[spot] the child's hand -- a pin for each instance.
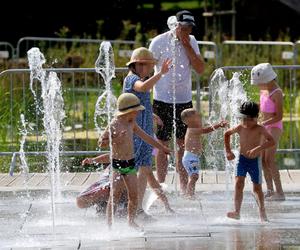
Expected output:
(165, 66)
(223, 124)
(167, 150)
(87, 161)
(253, 153)
(158, 121)
(230, 156)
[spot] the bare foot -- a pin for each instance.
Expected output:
(170, 210)
(263, 216)
(133, 225)
(269, 193)
(276, 197)
(233, 215)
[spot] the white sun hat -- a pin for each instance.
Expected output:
(262, 73)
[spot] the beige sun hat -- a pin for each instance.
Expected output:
(142, 55)
(128, 102)
(262, 73)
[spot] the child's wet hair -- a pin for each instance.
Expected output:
(249, 109)
(187, 113)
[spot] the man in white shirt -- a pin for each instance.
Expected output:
(183, 49)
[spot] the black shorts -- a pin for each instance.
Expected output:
(165, 112)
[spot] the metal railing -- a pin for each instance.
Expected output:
(8, 47)
(290, 80)
(33, 41)
(81, 88)
(255, 46)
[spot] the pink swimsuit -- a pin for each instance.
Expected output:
(268, 106)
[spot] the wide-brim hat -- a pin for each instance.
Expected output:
(142, 55)
(185, 17)
(262, 73)
(128, 102)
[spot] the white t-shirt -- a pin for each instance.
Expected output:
(161, 47)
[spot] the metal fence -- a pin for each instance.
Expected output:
(6, 50)
(288, 79)
(81, 88)
(253, 52)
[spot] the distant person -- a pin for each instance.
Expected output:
(187, 57)
(253, 139)
(271, 108)
(193, 146)
(123, 162)
(140, 81)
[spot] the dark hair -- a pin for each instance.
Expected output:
(250, 109)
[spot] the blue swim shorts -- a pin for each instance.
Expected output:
(191, 163)
(251, 166)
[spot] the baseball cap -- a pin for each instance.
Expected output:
(262, 73)
(185, 17)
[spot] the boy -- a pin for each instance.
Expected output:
(254, 139)
(193, 146)
(123, 164)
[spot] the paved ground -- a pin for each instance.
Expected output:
(27, 221)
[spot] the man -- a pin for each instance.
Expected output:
(183, 49)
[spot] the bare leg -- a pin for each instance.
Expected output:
(153, 183)
(142, 184)
(257, 190)
(161, 163)
(270, 160)
(267, 175)
(116, 193)
(183, 176)
(131, 184)
(238, 197)
(191, 185)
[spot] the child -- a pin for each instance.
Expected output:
(271, 106)
(254, 139)
(139, 82)
(193, 146)
(123, 162)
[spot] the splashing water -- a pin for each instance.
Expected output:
(106, 104)
(226, 96)
(53, 110)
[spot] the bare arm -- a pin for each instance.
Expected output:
(195, 60)
(104, 158)
(150, 140)
(144, 86)
(269, 142)
(230, 156)
(209, 129)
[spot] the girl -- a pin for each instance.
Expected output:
(139, 83)
(271, 107)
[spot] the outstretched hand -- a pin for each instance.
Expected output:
(165, 66)
(223, 124)
(87, 161)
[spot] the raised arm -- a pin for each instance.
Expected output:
(144, 86)
(150, 140)
(195, 59)
(209, 129)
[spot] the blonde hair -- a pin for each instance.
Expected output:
(188, 113)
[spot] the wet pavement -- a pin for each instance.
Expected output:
(27, 222)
